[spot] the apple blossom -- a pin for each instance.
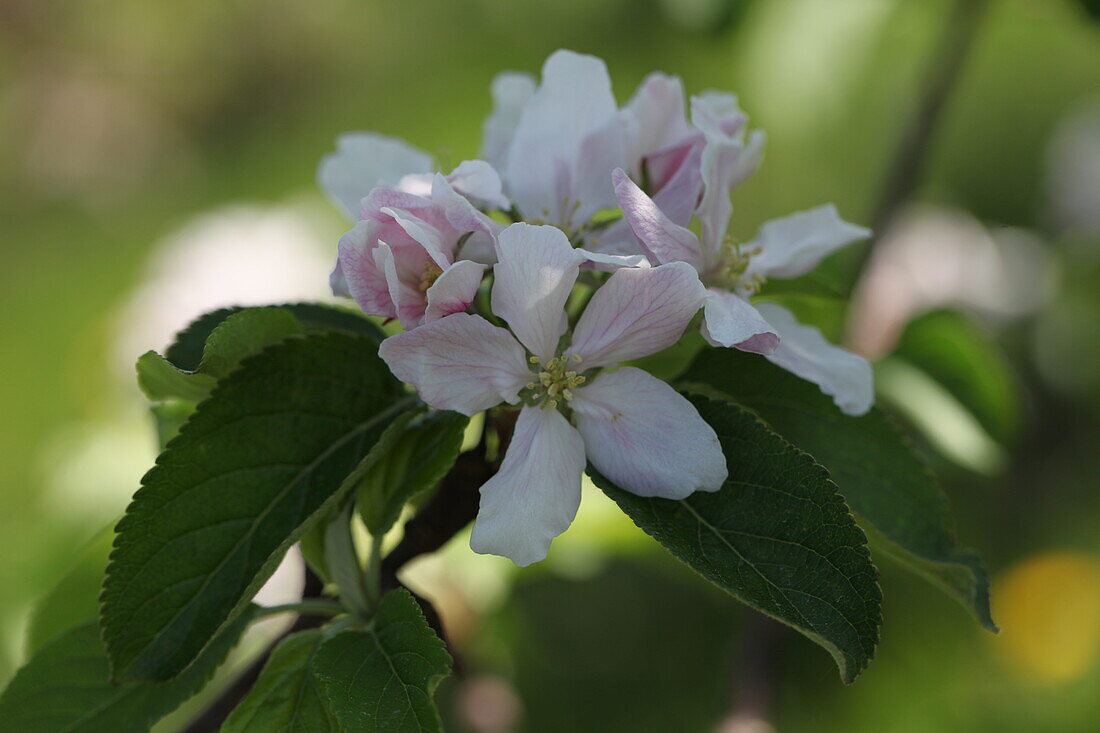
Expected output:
(404, 257)
(783, 248)
(632, 427)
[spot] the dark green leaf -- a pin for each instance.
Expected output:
(881, 477)
(258, 460)
(187, 350)
(286, 697)
(381, 679)
(413, 456)
(777, 536)
(949, 348)
(65, 688)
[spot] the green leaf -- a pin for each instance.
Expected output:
(286, 697)
(953, 351)
(413, 456)
(239, 335)
(186, 351)
(777, 536)
(255, 464)
(65, 687)
(883, 480)
(382, 678)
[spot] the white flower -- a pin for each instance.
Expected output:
(634, 428)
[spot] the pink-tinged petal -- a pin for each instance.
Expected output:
(364, 280)
(375, 203)
(364, 160)
(408, 301)
(418, 184)
(439, 245)
(637, 312)
(643, 435)
(657, 109)
(453, 290)
(573, 101)
(664, 240)
(679, 195)
(844, 376)
(461, 363)
(531, 283)
(510, 91)
(730, 320)
(534, 496)
(795, 244)
(478, 180)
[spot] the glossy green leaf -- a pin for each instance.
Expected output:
(777, 536)
(381, 679)
(286, 697)
(186, 351)
(883, 480)
(256, 463)
(65, 688)
(413, 456)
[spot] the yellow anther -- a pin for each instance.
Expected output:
(534, 360)
(430, 274)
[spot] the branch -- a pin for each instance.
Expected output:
(907, 166)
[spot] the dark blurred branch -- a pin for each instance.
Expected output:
(754, 679)
(908, 163)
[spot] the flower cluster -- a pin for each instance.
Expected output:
(602, 201)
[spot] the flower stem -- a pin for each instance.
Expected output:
(304, 607)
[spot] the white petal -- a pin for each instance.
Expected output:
(662, 238)
(458, 212)
(730, 320)
(478, 180)
(461, 363)
(364, 160)
(532, 280)
(600, 152)
(534, 496)
(573, 101)
(511, 91)
(844, 376)
(607, 262)
(637, 312)
(453, 290)
(643, 435)
(795, 244)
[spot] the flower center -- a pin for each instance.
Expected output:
(732, 270)
(430, 274)
(553, 381)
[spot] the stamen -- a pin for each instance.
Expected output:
(430, 274)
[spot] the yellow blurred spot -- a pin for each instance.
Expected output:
(1048, 607)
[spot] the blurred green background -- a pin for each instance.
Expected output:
(158, 160)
